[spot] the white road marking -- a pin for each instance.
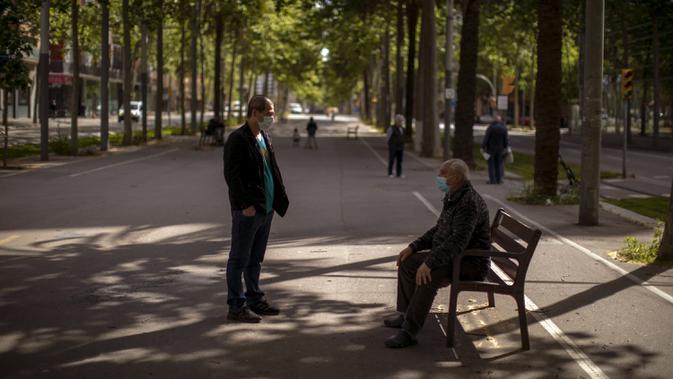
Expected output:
(122, 163)
(568, 345)
(645, 284)
(385, 163)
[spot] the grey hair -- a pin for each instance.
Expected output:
(399, 118)
(458, 166)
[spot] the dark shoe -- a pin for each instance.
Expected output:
(394, 321)
(263, 308)
(244, 315)
(400, 340)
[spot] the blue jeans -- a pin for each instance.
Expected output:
(496, 168)
(249, 236)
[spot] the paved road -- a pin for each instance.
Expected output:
(114, 267)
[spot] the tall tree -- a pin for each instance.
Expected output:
(194, 64)
(412, 20)
(385, 72)
(548, 97)
(467, 74)
(399, 60)
(217, 86)
(128, 75)
(158, 109)
(591, 129)
(74, 99)
(105, 75)
(428, 53)
(183, 46)
(144, 77)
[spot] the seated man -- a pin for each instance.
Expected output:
(427, 262)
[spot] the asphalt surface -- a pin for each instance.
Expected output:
(114, 266)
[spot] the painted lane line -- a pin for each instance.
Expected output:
(668, 298)
(122, 163)
(8, 239)
(568, 345)
(383, 161)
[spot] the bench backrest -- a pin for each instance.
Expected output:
(517, 241)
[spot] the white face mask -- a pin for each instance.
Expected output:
(266, 123)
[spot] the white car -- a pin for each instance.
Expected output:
(296, 108)
(136, 111)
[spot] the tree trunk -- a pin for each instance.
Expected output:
(657, 79)
(448, 80)
(44, 81)
(666, 247)
(547, 94)
(625, 64)
(385, 71)
(234, 44)
(181, 87)
(428, 52)
(531, 110)
(195, 64)
(399, 60)
(517, 100)
(143, 77)
(412, 20)
(265, 90)
(74, 99)
(105, 77)
(160, 75)
(591, 130)
(367, 104)
(241, 83)
(217, 87)
(5, 123)
(467, 74)
(128, 75)
(643, 106)
(203, 77)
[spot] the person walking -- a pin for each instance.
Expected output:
(311, 129)
(494, 146)
(395, 137)
(256, 190)
(427, 263)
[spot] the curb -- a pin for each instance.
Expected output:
(629, 215)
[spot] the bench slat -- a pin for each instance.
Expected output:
(516, 227)
(506, 242)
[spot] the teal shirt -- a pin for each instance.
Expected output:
(268, 176)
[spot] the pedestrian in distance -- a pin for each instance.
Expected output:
(494, 148)
(427, 263)
(256, 191)
(395, 137)
(311, 129)
(295, 138)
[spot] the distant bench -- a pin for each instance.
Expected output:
(352, 130)
(512, 247)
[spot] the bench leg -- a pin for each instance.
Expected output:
(451, 324)
(523, 323)
(491, 300)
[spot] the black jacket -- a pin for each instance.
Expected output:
(463, 224)
(496, 138)
(244, 172)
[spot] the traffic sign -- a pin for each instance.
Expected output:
(627, 83)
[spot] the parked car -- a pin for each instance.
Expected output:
(136, 111)
(295, 108)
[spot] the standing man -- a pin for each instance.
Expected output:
(494, 147)
(311, 128)
(426, 264)
(395, 138)
(255, 191)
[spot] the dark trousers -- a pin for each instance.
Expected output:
(249, 236)
(415, 301)
(395, 155)
(496, 168)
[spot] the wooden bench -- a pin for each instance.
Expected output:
(512, 247)
(352, 130)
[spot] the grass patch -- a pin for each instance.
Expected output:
(654, 207)
(641, 252)
(524, 166)
(568, 196)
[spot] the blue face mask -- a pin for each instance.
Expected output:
(441, 184)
